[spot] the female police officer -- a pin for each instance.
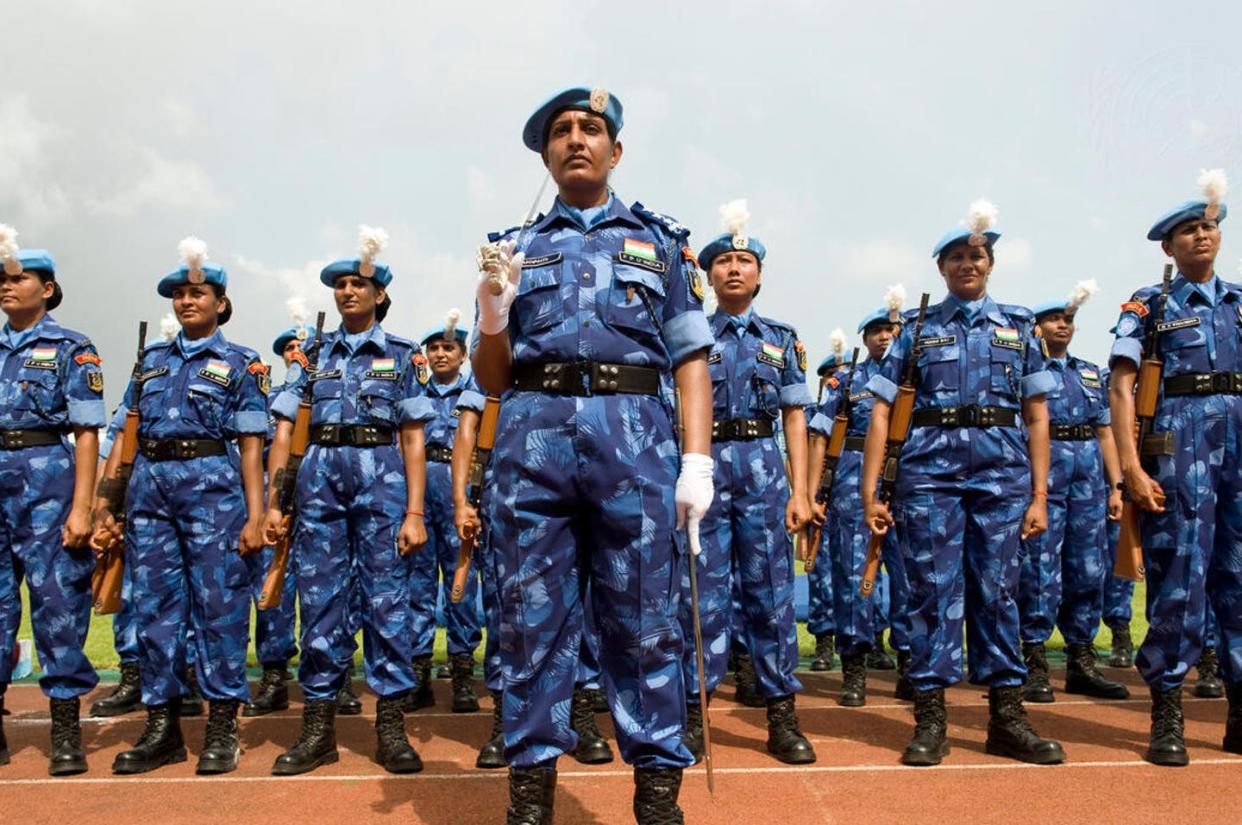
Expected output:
(972, 481)
(193, 503)
(50, 384)
(359, 504)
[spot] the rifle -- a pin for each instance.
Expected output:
(1129, 562)
(286, 482)
(898, 430)
(832, 454)
(109, 571)
(479, 456)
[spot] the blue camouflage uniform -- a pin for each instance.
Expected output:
(1064, 569)
(50, 379)
(859, 619)
(819, 616)
(962, 491)
(757, 368)
(584, 484)
(184, 517)
(1193, 550)
(351, 502)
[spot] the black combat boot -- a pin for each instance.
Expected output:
(316, 743)
(464, 700)
(192, 702)
(4, 746)
(393, 749)
(531, 794)
(1083, 677)
(444, 671)
(221, 750)
(823, 652)
(68, 757)
(1209, 685)
(878, 658)
(271, 694)
(601, 702)
(904, 689)
(655, 796)
(785, 739)
(421, 696)
(1010, 732)
(492, 754)
(1037, 688)
(694, 730)
(126, 697)
(1123, 647)
(1233, 724)
(929, 744)
(853, 680)
(746, 692)
(592, 747)
(1168, 740)
(347, 702)
(160, 743)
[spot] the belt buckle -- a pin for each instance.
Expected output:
(604, 377)
(552, 375)
(985, 416)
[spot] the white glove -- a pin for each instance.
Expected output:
(694, 494)
(499, 273)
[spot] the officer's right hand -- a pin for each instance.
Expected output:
(878, 518)
(466, 520)
(106, 535)
(274, 526)
(1143, 489)
(693, 495)
(500, 270)
(819, 512)
(412, 536)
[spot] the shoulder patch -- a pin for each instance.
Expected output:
(94, 381)
(1137, 307)
(800, 348)
(422, 371)
(300, 358)
(262, 376)
(88, 358)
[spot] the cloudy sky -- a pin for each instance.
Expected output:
(858, 134)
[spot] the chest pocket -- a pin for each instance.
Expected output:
(938, 372)
(377, 400)
(636, 299)
(765, 394)
(1006, 369)
(209, 403)
(538, 302)
(326, 398)
(1185, 350)
(152, 403)
(40, 393)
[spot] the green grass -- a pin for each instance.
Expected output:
(99, 646)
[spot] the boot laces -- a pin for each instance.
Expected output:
(583, 712)
(221, 721)
(66, 729)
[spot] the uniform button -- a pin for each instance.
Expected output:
(586, 276)
(586, 323)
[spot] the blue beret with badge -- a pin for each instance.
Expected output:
(1213, 183)
(299, 333)
(890, 313)
(976, 230)
(599, 101)
(450, 330)
(1081, 293)
(371, 241)
(836, 355)
(733, 217)
(194, 269)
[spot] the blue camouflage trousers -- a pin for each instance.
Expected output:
(583, 492)
(820, 618)
(439, 557)
(36, 492)
(181, 535)
(273, 629)
(745, 547)
(960, 502)
(125, 620)
(1118, 592)
(351, 502)
(1064, 569)
(1193, 550)
(859, 619)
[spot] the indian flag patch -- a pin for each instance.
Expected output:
(1089, 374)
(639, 249)
(383, 364)
(1006, 337)
(220, 369)
(43, 354)
(772, 354)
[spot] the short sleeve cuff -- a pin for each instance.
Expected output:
(795, 395)
(883, 388)
(91, 413)
(251, 422)
(1105, 418)
(470, 400)
(416, 409)
(686, 334)
(1038, 383)
(286, 405)
(1128, 348)
(820, 423)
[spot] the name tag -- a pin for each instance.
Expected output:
(39, 365)
(1181, 323)
(1006, 343)
(1092, 384)
(155, 373)
(321, 375)
(542, 260)
(860, 396)
(937, 341)
(213, 377)
(714, 357)
(641, 263)
(380, 376)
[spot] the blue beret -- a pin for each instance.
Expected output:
(282, 340)
(599, 101)
(876, 316)
(350, 266)
(38, 260)
(960, 234)
(459, 333)
(827, 364)
(724, 243)
(212, 274)
(1188, 211)
(1051, 306)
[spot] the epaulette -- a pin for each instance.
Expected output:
(402, 342)
(246, 353)
(492, 237)
(781, 325)
(1017, 311)
(154, 345)
(666, 224)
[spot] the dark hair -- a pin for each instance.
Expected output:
(381, 309)
(57, 294)
(987, 247)
(227, 312)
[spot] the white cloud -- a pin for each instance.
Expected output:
(180, 116)
(480, 187)
(26, 142)
(880, 262)
(164, 184)
(1016, 254)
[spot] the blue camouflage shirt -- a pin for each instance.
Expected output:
(757, 366)
(449, 400)
(861, 401)
(1201, 330)
(382, 380)
(1079, 394)
(207, 388)
(51, 378)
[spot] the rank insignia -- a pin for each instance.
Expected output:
(695, 280)
(800, 348)
(421, 369)
(298, 357)
(88, 358)
(262, 376)
(1137, 307)
(94, 380)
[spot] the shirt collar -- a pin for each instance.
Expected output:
(1183, 289)
(986, 307)
(373, 337)
(45, 328)
(215, 343)
(722, 321)
(442, 390)
(561, 212)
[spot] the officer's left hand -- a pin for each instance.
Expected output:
(413, 535)
(251, 536)
(1115, 505)
(1036, 519)
(797, 514)
(77, 527)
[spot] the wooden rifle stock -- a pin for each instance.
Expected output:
(483, 444)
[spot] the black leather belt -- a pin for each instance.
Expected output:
(180, 449)
(585, 378)
(741, 429)
(1071, 432)
(439, 453)
(854, 443)
(969, 416)
(352, 435)
(20, 439)
(1204, 383)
